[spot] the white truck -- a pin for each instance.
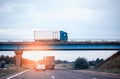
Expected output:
(50, 36)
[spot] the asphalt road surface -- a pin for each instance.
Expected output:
(64, 74)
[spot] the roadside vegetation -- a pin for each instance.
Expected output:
(10, 70)
(83, 63)
(7, 65)
(116, 71)
(79, 63)
(4, 72)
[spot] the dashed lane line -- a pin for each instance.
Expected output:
(52, 77)
(47, 73)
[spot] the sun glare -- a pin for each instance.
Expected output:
(36, 55)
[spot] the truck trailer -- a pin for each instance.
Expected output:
(50, 36)
(50, 62)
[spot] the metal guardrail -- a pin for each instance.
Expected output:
(16, 40)
(93, 40)
(70, 40)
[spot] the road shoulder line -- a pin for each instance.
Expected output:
(17, 74)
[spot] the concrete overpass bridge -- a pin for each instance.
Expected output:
(19, 47)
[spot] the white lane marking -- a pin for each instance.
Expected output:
(47, 73)
(17, 74)
(94, 78)
(52, 77)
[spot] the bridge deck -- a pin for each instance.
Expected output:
(11, 46)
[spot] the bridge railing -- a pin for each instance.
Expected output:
(97, 40)
(16, 40)
(69, 40)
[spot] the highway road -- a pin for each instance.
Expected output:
(64, 74)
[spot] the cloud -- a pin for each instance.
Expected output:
(70, 11)
(74, 16)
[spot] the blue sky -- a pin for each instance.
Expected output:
(82, 19)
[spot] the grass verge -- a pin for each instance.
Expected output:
(114, 71)
(4, 72)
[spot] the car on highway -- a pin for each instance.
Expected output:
(40, 67)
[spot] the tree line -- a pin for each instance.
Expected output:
(82, 63)
(79, 63)
(7, 59)
(4, 60)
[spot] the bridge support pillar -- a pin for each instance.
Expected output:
(18, 58)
